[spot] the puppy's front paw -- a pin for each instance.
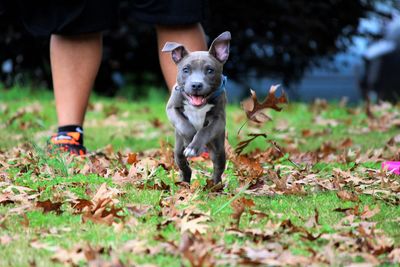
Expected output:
(194, 150)
(191, 152)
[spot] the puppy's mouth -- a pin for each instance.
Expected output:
(196, 100)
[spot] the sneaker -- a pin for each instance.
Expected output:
(70, 142)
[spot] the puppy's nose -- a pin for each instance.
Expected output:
(196, 86)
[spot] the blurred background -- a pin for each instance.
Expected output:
(315, 49)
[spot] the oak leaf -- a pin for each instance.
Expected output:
(132, 158)
(48, 206)
(347, 196)
(394, 255)
(103, 213)
(239, 205)
(196, 250)
(368, 213)
(254, 109)
(78, 255)
(194, 225)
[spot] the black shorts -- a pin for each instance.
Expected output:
(69, 17)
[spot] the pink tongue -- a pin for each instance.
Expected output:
(197, 100)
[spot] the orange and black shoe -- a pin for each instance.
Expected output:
(71, 142)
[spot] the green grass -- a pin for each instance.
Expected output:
(140, 126)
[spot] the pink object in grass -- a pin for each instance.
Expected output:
(392, 166)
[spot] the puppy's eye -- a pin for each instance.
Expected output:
(185, 70)
(210, 71)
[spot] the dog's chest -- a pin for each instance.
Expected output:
(196, 116)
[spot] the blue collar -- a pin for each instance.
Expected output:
(220, 90)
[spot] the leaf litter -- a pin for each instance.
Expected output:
(260, 237)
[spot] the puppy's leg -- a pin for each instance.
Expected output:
(180, 159)
(218, 157)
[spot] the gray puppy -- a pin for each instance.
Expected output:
(196, 107)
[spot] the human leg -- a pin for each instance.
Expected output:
(74, 28)
(75, 61)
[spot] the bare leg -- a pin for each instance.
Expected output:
(192, 36)
(75, 61)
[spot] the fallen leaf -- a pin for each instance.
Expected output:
(239, 205)
(132, 158)
(194, 225)
(196, 250)
(313, 221)
(136, 247)
(78, 254)
(368, 213)
(348, 142)
(138, 210)
(48, 206)
(80, 204)
(103, 213)
(347, 196)
(247, 168)
(394, 255)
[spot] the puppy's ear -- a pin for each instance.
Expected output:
(220, 47)
(177, 50)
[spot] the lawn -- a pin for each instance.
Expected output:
(309, 191)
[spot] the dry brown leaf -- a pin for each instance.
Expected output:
(103, 213)
(348, 142)
(319, 120)
(368, 213)
(138, 210)
(261, 254)
(101, 208)
(7, 198)
(349, 211)
(347, 196)
(167, 154)
(313, 221)
(254, 109)
(48, 206)
(289, 259)
(247, 169)
(284, 184)
(77, 254)
(394, 255)
(228, 148)
(80, 204)
(195, 225)
(239, 205)
(132, 158)
(105, 192)
(136, 247)
(156, 123)
(196, 250)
